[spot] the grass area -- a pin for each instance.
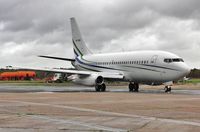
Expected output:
(34, 83)
(43, 83)
(19, 81)
(195, 80)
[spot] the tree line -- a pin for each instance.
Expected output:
(195, 73)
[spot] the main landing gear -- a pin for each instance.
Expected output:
(133, 87)
(100, 88)
(167, 89)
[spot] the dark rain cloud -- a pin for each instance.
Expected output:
(32, 27)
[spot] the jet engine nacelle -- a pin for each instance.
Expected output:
(90, 80)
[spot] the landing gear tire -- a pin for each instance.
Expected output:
(168, 89)
(103, 89)
(133, 87)
(136, 89)
(100, 88)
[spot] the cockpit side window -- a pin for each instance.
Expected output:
(169, 60)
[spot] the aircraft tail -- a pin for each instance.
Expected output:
(79, 45)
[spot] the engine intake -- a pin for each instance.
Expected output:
(92, 80)
(99, 80)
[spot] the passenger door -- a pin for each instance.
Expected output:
(154, 59)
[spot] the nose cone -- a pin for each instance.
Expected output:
(185, 69)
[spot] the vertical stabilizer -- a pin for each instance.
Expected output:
(79, 45)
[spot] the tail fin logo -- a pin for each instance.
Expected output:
(79, 45)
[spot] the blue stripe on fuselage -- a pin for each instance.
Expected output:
(96, 65)
(75, 52)
(91, 65)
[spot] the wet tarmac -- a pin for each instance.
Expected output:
(22, 89)
(77, 109)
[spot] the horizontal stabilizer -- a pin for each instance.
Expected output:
(57, 58)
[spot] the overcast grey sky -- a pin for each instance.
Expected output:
(41, 27)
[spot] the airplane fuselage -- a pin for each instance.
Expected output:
(150, 67)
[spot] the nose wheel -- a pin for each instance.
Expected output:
(167, 89)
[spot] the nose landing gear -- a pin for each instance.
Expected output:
(167, 89)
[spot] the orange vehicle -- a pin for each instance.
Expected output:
(18, 75)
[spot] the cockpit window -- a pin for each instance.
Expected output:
(169, 60)
(177, 60)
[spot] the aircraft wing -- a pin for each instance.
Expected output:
(109, 75)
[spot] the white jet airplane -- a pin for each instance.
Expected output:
(137, 67)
